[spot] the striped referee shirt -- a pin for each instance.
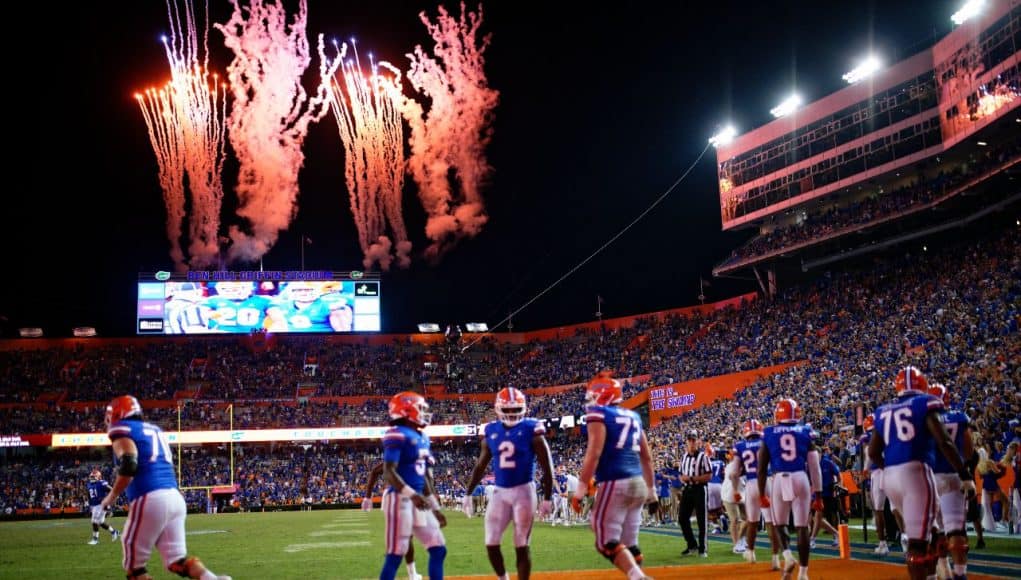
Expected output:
(695, 465)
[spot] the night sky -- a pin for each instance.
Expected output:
(601, 109)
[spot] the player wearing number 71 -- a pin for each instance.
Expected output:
(512, 445)
(618, 455)
(156, 509)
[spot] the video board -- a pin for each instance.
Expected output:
(247, 302)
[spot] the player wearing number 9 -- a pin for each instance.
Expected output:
(618, 455)
(787, 448)
(905, 433)
(512, 445)
(156, 509)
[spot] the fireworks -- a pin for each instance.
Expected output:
(367, 109)
(186, 129)
(270, 115)
(456, 129)
(269, 118)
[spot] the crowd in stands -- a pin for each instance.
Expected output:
(954, 313)
(875, 207)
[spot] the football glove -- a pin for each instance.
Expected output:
(817, 504)
(764, 501)
(737, 498)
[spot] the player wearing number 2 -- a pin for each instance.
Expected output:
(905, 433)
(156, 509)
(410, 505)
(618, 455)
(746, 462)
(787, 448)
(512, 445)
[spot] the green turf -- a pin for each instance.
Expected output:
(325, 544)
(305, 545)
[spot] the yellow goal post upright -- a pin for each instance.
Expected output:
(230, 447)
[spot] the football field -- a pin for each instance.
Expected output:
(348, 544)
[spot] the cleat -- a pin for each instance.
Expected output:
(689, 552)
(904, 543)
(93, 541)
(749, 556)
(775, 563)
(115, 536)
(703, 554)
(738, 549)
(811, 544)
(882, 549)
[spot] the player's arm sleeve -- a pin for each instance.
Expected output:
(118, 431)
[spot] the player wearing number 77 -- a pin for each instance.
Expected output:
(906, 432)
(156, 509)
(618, 455)
(513, 445)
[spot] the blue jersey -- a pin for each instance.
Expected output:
(314, 317)
(717, 467)
(155, 459)
(788, 447)
(238, 316)
(955, 422)
(901, 424)
(513, 457)
(748, 451)
(663, 485)
(97, 491)
(619, 459)
(830, 474)
(409, 449)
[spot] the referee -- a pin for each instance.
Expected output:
(695, 474)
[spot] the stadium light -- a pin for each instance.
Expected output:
(428, 327)
(83, 331)
(788, 106)
(971, 9)
(724, 137)
(476, 327)
(867, 68)
(31, 332)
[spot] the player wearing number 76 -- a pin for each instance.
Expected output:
(512, 445)
(618, 455)
(156, 509)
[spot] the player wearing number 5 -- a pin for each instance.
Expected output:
(787, 448)
(156, 510)
(512, 445)
(905, 433)
(410, 505)
(618, 455)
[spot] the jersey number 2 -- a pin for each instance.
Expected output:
(507, 455)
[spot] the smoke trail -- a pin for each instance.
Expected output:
(269, 117)
(454, 133)
(185, 120)
(367, 109)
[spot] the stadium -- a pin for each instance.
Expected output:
(871, 240)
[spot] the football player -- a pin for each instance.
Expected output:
(952, 503)
(907, 430)
(410, 504)
(370, 487)
(156, 509)
(746, 463)
(235, 309)
(619, 458)
(512, 445)
(310, 310)
(787, 447)
(98, 488)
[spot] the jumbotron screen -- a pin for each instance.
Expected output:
(246, 302)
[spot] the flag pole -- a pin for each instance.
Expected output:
(301, 242)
